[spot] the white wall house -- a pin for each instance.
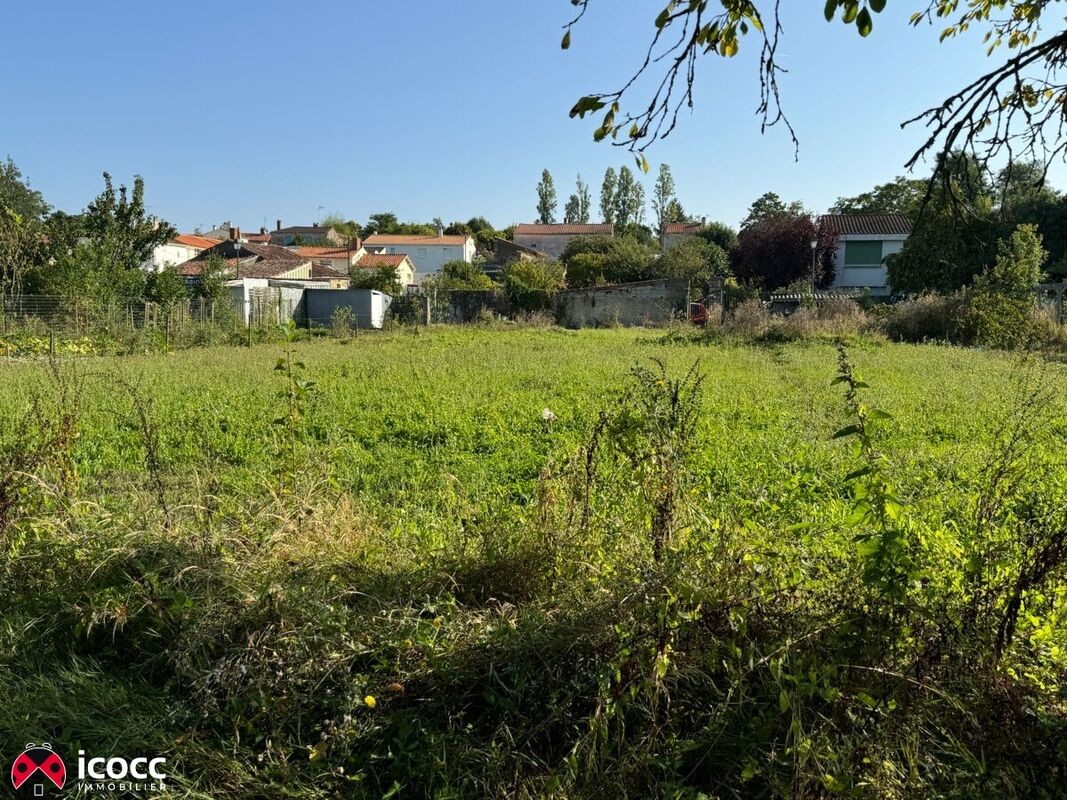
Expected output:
(863, 243)
(179, 250)
(427, 253)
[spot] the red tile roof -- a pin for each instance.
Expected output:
(379, 239)
(194, 240)
(324, 271)
(256, 260)
(867, 224)
(563, 229)
(684, 227)
(323, 252)
(257, 238)
(373, 260)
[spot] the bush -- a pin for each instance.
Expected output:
(531, 285)
(929, 317)
(693, 259)
(749, 319)
(998, 311)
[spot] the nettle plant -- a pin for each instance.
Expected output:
(291, 426)
(883, 539)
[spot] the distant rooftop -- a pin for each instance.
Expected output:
(867, 224)
(564, 229)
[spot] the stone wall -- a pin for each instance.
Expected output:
(628, 304)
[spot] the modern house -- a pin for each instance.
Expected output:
(401, 262)
(179, 249)
(305, 234)
(427, 253)
(863, 243)
(552, 239)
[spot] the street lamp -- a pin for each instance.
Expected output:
(814, 249)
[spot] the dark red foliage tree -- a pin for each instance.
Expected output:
(776, 252)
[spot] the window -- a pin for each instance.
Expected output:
(863, 254)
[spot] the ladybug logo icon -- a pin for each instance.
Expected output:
(37, 766)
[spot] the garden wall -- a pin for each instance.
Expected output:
(628, 304)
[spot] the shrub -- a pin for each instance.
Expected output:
(693, 259)
(929, 317)
(531, 285)
(750, 319)
(998, 311)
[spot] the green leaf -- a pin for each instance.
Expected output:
(642, 162)
(829, 10)
(864, 23)
(566, 43)
(877, 6)
(783, 701)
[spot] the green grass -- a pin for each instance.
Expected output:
(420, 546)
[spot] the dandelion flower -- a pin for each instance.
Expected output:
(370, 701)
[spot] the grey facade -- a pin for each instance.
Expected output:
(628, 304)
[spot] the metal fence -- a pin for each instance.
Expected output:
(79, 316)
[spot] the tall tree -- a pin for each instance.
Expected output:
(900, 196)
(546, 199)
(585, 202)
(104, 252)
(770, 206)
(17, 196)
(629, 199)
(664, 202)
(576, 210)
(607, 196)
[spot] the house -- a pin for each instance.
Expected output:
(401, 262)
(305, 234)
(427, 253)
(341, 259)
(179, 249)
(677, 232)
(504, 252)
(241, 260)
(863, 242)
(552, 239)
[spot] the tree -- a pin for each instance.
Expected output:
(998, 309)
(607, 196)
(22, 250)
(349, 229)
(693, 259)
(899, 196)
(629, 199)
(458, 276)
(17, 196)
(103, 252)
(546, 199)
(1016, 107)
(719, 233)
(379, 279)
(770, 206)
(664, 202)
(382, 222)
(615, 259)
(531, 285)
(166, 287)
(776, 251)
(954, 238)
(577, 209)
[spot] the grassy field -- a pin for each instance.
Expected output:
(473, 562)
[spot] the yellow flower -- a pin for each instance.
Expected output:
(370, 701)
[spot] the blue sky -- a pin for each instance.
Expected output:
(257, 111)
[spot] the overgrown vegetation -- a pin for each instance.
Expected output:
(318, 569)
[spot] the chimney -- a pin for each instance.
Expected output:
(233, 234)
(279, 223)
